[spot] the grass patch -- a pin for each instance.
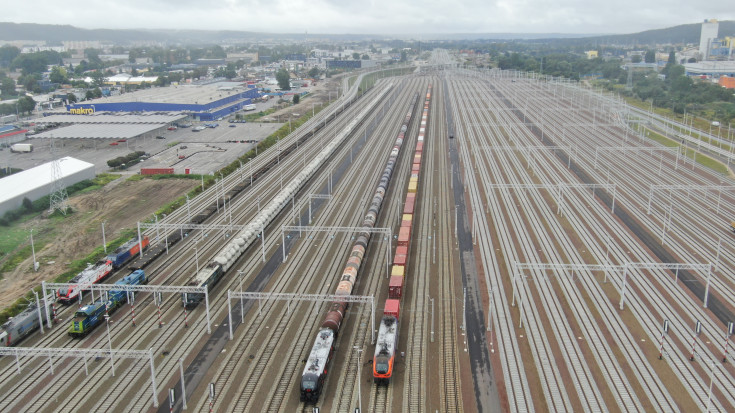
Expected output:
(172, 144)
(701, 159)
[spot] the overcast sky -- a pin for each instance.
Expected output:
(375, 16)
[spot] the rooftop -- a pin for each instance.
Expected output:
(183, 94)
(115, 117)
(100, 131)
(22, 182)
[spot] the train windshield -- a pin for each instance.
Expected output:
(381, 366)
(308, 384)
(63, 292)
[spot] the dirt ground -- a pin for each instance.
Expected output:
(120, 204)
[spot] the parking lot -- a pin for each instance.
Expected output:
(205, 151)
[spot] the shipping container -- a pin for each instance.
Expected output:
(406, 220)
(417, 158)
(420, 147)
(395, 287)
(398, 270)
(392, 307)
(404, 236)
(401, 256)
(156, 171)
(413, 186)
(408, 207)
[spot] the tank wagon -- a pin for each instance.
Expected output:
(310, 389)
(91, 275)
(387, 343)
(92, 315)
(215, 269)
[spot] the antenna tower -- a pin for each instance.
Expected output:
(59, 197)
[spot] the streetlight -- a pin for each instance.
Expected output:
(242, 313)
(33, 252)
(359, 389)
(196, 257)
(104, 242)
(109, 341)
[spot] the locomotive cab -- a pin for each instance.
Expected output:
(311, 385)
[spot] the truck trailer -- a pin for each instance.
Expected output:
(21, 148)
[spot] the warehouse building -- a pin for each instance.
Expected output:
(37, 182)
(200, 102)
(10, 134)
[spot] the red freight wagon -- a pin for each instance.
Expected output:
(392, 307)
(417, 158)
(401, 256)
(420, 147)
(395, 287)
(410, 202)
(415, 169)
(156, 171)
(404, 236)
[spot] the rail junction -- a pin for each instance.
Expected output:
(541, 201)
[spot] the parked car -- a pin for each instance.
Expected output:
(172, 128)
(160, 137)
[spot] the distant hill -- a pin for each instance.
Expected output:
(52, 34)
(685, 33)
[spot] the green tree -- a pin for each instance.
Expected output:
(7, 54)
(296, 99)
(26, 104)
(283, 79)
(365, 57)
(313, 72)
(650, 56)
(98, 78)
(7, 87)
(31, 63)
(356, 56)
(58, 75)
(635, 58)
(71, 98)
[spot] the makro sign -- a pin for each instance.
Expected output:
(81, 111)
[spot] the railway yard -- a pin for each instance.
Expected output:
(559, 261)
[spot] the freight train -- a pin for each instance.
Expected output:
(22, 325)
(214, 270)
(92, 315)
(387, 344)
(127, 251)
(315, 371)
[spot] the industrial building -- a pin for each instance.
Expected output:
(10, 134)
(350, 64)
(710, 29)
(200, 102)
(712, 69)
(37, 182)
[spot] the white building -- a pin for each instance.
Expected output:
(37, 182)
(710, 29)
